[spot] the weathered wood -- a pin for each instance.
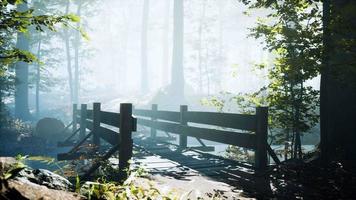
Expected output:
(76, 147)
(110, 118)
(126, 143)
(228, 120)
(163, 126)
(110, 136)
(154, 119)
(75, 122)
(226, 137)
(168, 115)
(96, 124)
(273, 155)
(183, 122)
(83, 115)
(90, 114)
(89, 124)
(97, 164)
(143, 112)
(261, 138)
(70, 156)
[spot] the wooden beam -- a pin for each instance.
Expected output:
(83, 116)
(110, 118)
(126, 143)
(96, 124)
(154, 119)
(228, 120)
(261, 138)
(183, 122)
(226, 137)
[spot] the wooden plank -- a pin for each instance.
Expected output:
(89, 124)
(110, 118)
(167, 115)
(110, 136)
(163, 126)
(144, 122)
(229, 120)
(225, 137)
(90, 114)
(143, 113)
(166, 126)
(261, 138)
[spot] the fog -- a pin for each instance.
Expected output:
(218, 54)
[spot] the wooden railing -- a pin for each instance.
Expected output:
(93, 120)
(248, 131)
(252, 135)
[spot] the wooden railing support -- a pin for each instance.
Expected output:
(126, 143)
(183, 122)
(96, 124)
(75, 113)
(83, 117)
(153, 119)
(261, 138)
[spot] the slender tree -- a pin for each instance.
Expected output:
(177, 75)
(144, 70)
(21, 91)
(165, 43)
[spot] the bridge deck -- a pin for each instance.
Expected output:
(197, 173)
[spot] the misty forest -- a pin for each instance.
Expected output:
(177, 99)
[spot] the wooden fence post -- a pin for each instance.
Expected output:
(183, 122)
(153, 120)
(261, 137)
(83, 120)
(75, 111)
(96, 124)
(126, 143)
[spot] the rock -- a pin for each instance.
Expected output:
(33, 192)
(43, 177)
(33, 184)
(50, 129)
(6, 163)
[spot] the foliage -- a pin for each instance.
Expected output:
(14, 168)
(292, 32)
(15, 19)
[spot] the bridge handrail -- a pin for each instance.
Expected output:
(179, 123)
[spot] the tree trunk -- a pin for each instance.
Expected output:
(76, 58)
(338, 82)
(38, 80)
(21, 71)
(165, 43)
(177, 75)
(200, 41)
(144, 72)
(69, 59)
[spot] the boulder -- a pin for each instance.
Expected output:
(6, 163)
(33, 184)
(50, 129)
(43, 177)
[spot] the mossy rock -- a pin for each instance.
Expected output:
(50, 129)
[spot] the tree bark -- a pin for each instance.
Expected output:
(165, 43)
(338, 82)
(76, 58)
(21, 71)
(177, 75)
(144, 71)
(69, 59)
(38, 79)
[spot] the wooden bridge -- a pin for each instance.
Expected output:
(248, 131)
